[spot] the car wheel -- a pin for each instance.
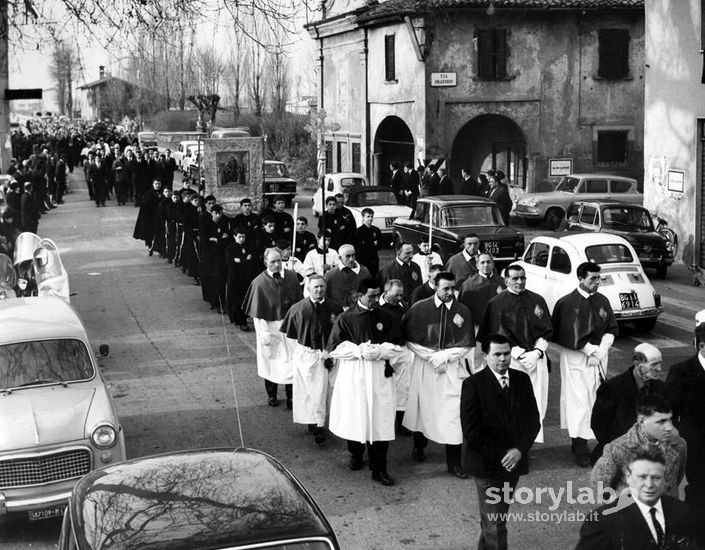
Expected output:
(554, 217)
(645, 325)
(661, 271)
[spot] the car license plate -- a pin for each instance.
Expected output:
(274, 187)
(389, 222)
(55, 512)
(492, 247)
(629, 300)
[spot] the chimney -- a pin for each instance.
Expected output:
(101, 70)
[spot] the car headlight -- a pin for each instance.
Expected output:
(104, 436)
(531, 202)
(669, 246)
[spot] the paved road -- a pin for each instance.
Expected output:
(177, 372)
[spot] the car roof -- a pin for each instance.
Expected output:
(38, 318)
(347, 175)
(456, 199)
(590, 239)
(356, 189)
(598, 175)
(195, 499)
(273, 162)
(610, 203)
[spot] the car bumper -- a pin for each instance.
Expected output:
(528, 212)
(643, 313)
(655, 262)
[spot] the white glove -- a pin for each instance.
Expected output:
(530, 359)
(438, 360)
(265, 340)
(517, 351)
(369, 352)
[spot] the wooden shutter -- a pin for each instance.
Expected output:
(613, 53)
(389, 61)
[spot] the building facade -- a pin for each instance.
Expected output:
(536, 90)
(674, 132)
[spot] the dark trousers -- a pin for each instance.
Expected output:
(493, 534)
(453, 452)
(272, 388)
(376, 453)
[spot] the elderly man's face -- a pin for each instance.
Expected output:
(394, 295)
(273, 261)
(646, 480)
(650, 369)
(317, 289)
(405, 253)
(471, 245)
(347, 256)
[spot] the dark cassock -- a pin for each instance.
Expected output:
(267, 301)
(309, 324)
(583, 324)
(408, 273)
(332, 224)
(441, 339)
(159, 240)
(214, 270)
(362, 408)
(252, 223)
(368, 242)
(477, 290)
(347, 228)
(342, 283)
(283, 225)
(526, 322)
(422, 292)
(462, 265)
(144, 226)
(190, 255)
(242, 266)
(305, 242)
(263, 241)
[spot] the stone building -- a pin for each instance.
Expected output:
(531, 87)
(674, 130)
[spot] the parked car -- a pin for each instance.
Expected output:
(631, 221)
(551, 206)
(334, 184)
(551, 264)
(277, 182)
(192, 158)
(239, 131)
(383, 201)
(147, 139)
(195, 500)
(451, 217)
(184, 149)
(58, 421)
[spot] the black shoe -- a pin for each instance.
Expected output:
(319, 436)
(273, 402)
(383, 478)
(244, 328)
(418, 454)
(403, 430)
(458, 472)
(355, 463)
(197, 281)
(580, 449)
(169, 261)
(289, 404)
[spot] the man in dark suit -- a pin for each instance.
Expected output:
(643, 518)
(445, 184)
(614, 411)
(469, 185)
(500, 194)
(686, 388)
(398, 182)
(500, 421)
(402, 268)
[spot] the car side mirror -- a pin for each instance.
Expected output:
(103, 350)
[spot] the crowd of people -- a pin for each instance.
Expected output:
(454, 352)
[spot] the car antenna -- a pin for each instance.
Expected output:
(232, 376)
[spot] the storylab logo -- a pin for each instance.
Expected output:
(555, 497)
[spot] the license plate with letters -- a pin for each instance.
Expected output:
(629, 300)
(492, 247)
(55, 512)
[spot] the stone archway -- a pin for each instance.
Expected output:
(393, 143)
(491, 142)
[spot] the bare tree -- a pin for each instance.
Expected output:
(62, 65)
(235, 68)
(257, 59)
(279, 79)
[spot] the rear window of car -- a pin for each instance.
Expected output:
(595, 186)
(276, 171)
(560, 261)
(373, 198)
(609, 254)
(466, 215)
(620, 186)
(44, 361)
(351, 182)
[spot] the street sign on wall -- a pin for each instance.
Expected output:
(439, 80)
(559, 167)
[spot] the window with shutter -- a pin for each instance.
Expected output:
(389, 61)
(491, 53)
(612, 147)
(613, 48)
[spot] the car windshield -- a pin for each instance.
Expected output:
(627, 218)
(275, 171)
(373, 198)
(44, 362)
(609, 254)
(567, 184)
(351, 182)
(469, 215)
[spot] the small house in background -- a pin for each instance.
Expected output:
(533, 88)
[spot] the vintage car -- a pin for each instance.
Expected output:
(631, 221)
(551, 206)
(551, 264)
(57, 418)
(238, 131)
(186, 152)
(147, 140)
(334, 184)
(195, 500)
(277, 182)
(384, 203)
(448, 218)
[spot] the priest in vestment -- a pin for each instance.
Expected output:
(523, 317)
(308, 324)
(439, 332)
(366, 342)
(584, 326)
(267, 301)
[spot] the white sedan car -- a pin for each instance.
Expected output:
(551, 263)
(382, 201)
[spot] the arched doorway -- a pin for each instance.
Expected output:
(491, 142)
(393, 142)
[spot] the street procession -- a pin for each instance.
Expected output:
(353, 275)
